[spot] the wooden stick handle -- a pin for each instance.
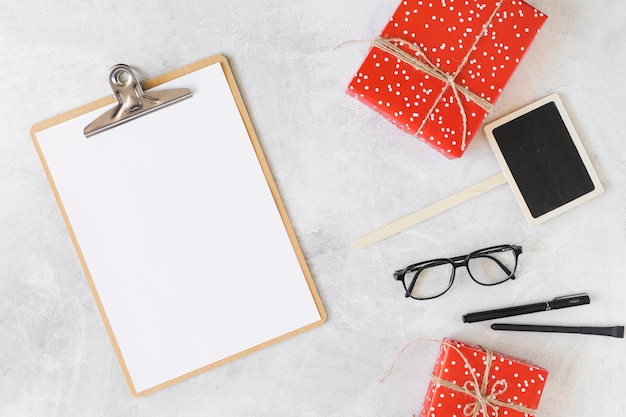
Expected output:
(430, 211)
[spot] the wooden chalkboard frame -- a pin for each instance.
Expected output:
(532, 215)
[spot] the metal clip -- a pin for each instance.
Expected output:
(132, 101)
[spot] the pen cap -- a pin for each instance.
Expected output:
(569, 301)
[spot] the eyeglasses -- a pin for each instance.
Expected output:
(431, 279)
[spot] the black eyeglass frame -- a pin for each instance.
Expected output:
(457, 262)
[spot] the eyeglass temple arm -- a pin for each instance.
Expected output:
(483, 255)
(409, 288)
(500, 264)
(517, 249)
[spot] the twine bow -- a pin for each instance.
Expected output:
(481, 403)
(390, 45)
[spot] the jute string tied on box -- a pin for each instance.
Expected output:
(483, 400)
(392, 47)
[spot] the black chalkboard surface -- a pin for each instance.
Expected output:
(543, 159)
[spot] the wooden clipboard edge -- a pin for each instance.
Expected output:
(228, 359)
(151, 83)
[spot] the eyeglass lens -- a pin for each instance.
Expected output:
(492, 266)
(429, 280)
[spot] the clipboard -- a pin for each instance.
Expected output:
(180, 230)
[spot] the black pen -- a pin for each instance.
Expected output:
(558, 302)
(615, 331)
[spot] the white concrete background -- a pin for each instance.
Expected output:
(342, 171)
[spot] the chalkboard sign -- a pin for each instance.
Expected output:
(543, 159)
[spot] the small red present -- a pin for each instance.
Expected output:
(472, 381)
(440, 65)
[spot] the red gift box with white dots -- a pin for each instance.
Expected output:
(509, 380)
(474, 44)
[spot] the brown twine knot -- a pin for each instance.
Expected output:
(390, 46)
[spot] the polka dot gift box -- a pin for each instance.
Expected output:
(472, 381)
(439, 66)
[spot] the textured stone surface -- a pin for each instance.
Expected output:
(343, 171)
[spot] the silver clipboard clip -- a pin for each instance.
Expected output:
(132, 101)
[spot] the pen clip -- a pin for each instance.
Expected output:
(565, 297)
